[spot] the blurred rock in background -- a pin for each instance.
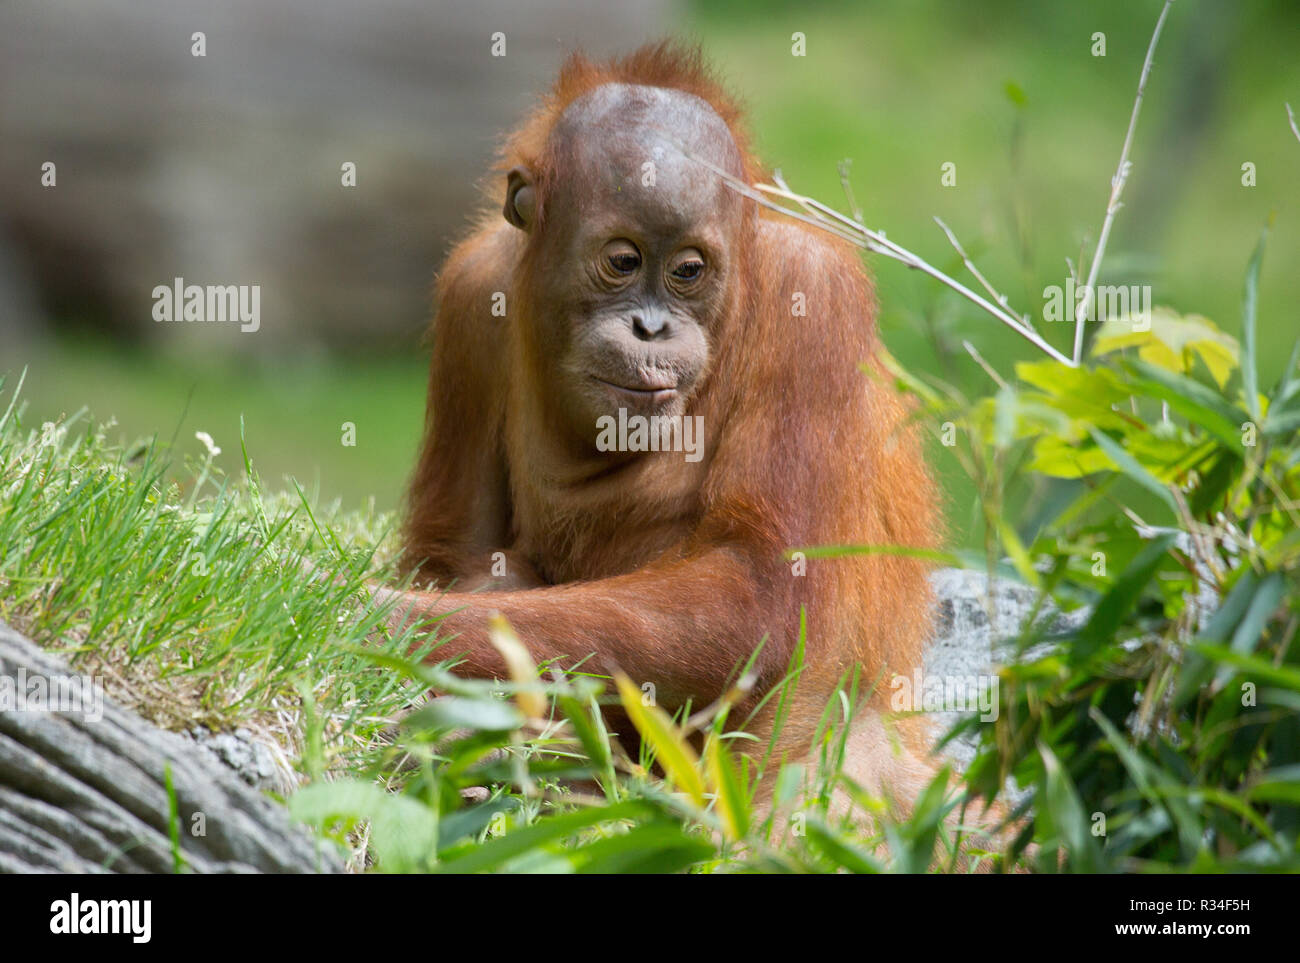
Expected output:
(226, 168)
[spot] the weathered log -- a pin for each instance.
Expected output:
(83, 787)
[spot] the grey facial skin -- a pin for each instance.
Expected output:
(641, 241)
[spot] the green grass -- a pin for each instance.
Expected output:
(193, 593)
(294, 411)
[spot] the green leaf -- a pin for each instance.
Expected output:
(458, 712)
(1195, 402)
(1174, 342)
(672, 750)
(1289, 384)
(656, 848)
(1133, 470)
(1197, 670)
(1005, 407)
(403, 831)
(1282, 423)
(732, 801)
(472, 821)
(840, 851)
(1250, 305)
(1109, 615)
(1281, 784)
(1148, 777)
(595, 746)
(1261, 669)
(1064, 819)
(551, 831)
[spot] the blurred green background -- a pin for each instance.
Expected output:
(1008, 91)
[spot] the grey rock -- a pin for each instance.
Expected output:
(249, 758)
(977, 622)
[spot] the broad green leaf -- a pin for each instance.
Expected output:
(403, 831)
(458, 712)
(1171, 341)
(1059, 458)
(1075, 391)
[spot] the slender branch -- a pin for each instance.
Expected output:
(970, 266)
(856, 211)
(979, 360)
(1290, 116)
(875, 241)
(1116, 188)
(853, 230)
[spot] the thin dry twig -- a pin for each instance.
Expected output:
(854, 230)
(1116, 188)
(975, 272)
(826, 218)
(979, 360)
(1290, 116)
(854, 208)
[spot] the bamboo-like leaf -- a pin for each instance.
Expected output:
(1282, 423)
(1149, 779)
(1063, 813)
(839, 850)
(732, 802)
(1191, 399)
(1250, 305)
(550, 831)
(672, 750)
(596, 747)
(1108, 616)
(520, 665)
(1281, 784)
(661, 847)
(1133, 469)
(1018, 554)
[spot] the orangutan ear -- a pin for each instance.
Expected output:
(521, 198)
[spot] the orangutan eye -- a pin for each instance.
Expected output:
(622, 256)
(624, 263)
(689, 270)
(688, 265)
